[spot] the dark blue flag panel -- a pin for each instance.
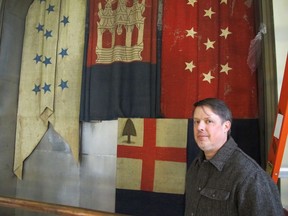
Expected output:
(246, 133)
(143, 203)
(119, 90)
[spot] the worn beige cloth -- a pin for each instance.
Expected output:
(51, 72)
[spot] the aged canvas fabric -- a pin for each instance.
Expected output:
(50, 80)
(151, 162)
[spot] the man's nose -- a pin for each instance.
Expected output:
(200, 126)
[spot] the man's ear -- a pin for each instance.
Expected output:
(227, 126)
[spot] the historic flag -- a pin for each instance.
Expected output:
(151, 165)
(205, 46)
(120, 79)
(50, 82)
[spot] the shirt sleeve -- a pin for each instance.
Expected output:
(258, 195)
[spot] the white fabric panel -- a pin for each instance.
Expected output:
(98, 165)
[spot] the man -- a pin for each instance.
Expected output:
(223, 180)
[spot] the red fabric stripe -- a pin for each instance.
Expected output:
(149, 157)
(178, 87)
(93, 18)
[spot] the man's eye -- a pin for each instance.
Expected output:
(209, 121)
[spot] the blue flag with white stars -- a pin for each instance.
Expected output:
(50, 83)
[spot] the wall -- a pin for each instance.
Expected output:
(280, 8)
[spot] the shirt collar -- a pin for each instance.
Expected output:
(224, 153)
(221, 157)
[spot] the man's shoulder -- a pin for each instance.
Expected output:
(240, 158)
(244, 165)
(240, 155)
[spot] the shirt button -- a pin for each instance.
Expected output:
(192, 214)
(199, 188)
(213, 195)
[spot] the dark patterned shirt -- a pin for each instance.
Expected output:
(231, 183)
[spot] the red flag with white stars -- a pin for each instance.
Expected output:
(205, 47)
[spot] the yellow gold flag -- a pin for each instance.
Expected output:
(51, 72)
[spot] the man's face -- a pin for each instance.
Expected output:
(209, 132)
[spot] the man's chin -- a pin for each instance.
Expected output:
(202, 144)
